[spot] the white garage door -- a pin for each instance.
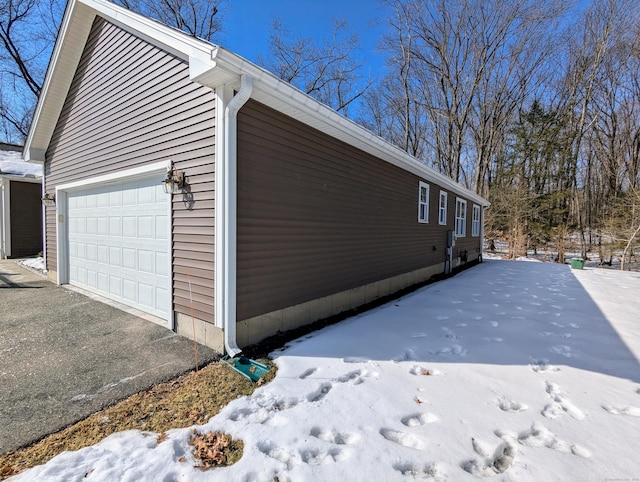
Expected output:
(119, 243)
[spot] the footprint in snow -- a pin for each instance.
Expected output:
(561, 404)
(418, 471)
(331, 436)
(512, 406)
(449, 334)
(409, 355)
(357, 376)
(419, 419)
(540, 436)
(402, 438)
(320, 392)
(451, 350)
(278, 453)
(632, 411)
(307, 373)
(316, 456)
(542, 366)
(495, 462)
(563, 350)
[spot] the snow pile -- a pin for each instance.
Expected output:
(36, 264)
(11, 163)
(524, 371)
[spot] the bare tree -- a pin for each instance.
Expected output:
(329, 71)
(599, 45)
(199, 18)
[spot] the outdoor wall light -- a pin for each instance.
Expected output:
(174, 181)
(49, 199)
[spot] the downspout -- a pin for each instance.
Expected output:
(229, 192)
(1, 217)
(484, 209)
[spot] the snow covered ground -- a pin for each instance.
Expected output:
(518, 370)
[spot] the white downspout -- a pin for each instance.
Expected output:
(483, 209)
(5, 217)
(1, 217)
(229, 192)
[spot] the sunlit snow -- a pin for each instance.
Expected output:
(522, 371)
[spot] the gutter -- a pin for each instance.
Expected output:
(230, 211)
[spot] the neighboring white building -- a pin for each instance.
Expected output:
(20, 205)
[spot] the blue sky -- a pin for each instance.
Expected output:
(247, 23)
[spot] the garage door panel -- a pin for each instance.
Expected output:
(119, 243)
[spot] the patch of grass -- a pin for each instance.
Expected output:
(185, 401)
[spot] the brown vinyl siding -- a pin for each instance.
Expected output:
(131, 104)
(317, 216)
(26, 218)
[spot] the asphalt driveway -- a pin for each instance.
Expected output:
(63, 356)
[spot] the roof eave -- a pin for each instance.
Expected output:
(275, 93)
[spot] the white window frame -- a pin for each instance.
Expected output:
(461, 218)
(475, 221)
(423, 205)
(442, 208)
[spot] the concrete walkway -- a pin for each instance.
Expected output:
(64, 356)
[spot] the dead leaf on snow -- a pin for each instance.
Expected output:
(211, 448)
(161, 438)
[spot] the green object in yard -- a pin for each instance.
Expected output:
(247, 367)
(577, 263)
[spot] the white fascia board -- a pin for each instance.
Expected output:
(72, 35)
(74, 31)
(275, 93)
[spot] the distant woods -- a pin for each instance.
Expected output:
(534, 104)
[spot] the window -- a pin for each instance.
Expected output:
(423, 203)
(442, 208)
(475, 221)
(461, 218)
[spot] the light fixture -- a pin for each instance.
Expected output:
(49, 199)
(173, 181)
